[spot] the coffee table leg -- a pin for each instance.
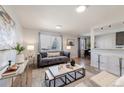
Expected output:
(45, 77)
(50, 83)
(54, 82)
(75, 75)
(65, 79)
(83, 71)
(12, 82)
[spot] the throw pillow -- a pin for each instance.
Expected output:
(43, 54)
(53, 54)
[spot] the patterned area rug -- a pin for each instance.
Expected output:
(39, 74)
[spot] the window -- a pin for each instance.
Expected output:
(50, 42)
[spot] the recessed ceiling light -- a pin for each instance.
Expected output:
(58, 26)
(81, 9)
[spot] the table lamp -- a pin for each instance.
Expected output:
(30, 48)
(68, 47)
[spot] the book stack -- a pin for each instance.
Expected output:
(11, 71)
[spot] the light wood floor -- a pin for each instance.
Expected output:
(25, 80)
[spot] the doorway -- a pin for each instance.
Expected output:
(84, 47)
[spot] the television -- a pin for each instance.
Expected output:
(119, 38)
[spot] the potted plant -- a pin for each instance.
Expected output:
(20, 56)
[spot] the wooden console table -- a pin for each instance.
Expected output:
(19, 72)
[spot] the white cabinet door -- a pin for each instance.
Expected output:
(94, 60)
(103, 62)
(113, 65)
(123, 66)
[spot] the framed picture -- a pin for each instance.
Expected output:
(7, 30)
(70, 42)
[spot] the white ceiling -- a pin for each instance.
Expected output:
(47, 17)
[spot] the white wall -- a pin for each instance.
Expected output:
(10, 54)
(74, 48)
(31, 37)
(106, 41)
(106, 32)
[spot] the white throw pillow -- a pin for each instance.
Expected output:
(120, 82)
(53, 54)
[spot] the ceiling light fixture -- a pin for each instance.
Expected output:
(81, 9)
(58, 26)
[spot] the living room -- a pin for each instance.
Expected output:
(68, 46)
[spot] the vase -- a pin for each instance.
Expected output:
(72, 62)
(20, 58)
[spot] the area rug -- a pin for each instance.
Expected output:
(104, 79)
(39, 74)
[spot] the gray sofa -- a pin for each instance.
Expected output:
(43, 60)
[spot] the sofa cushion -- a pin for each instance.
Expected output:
(43, 54)
(53, 54)
(62, 57)
(67, 54)
(44, 60)
(61, 53)
(53, 60)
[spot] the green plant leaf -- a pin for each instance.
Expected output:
(19, 48)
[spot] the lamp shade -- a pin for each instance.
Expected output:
(30, 47)
(68, 47)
